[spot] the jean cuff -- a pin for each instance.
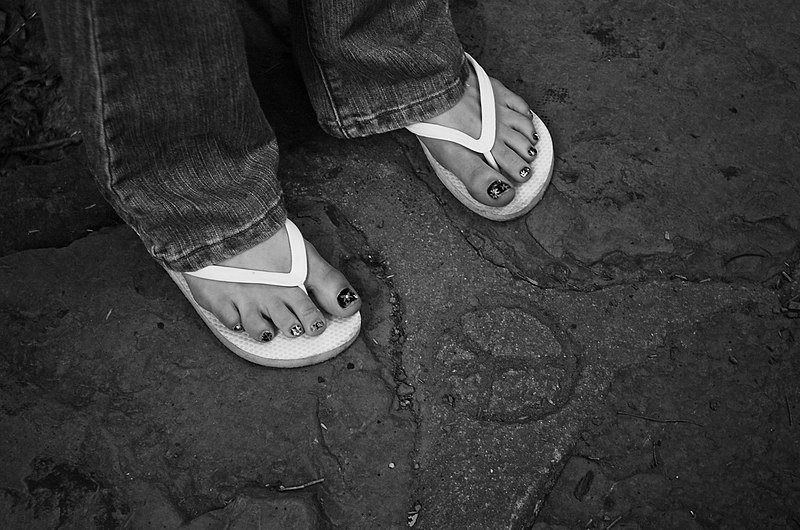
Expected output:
(406, 112)
(245, 238)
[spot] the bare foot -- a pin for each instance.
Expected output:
(514, 147)
(264, 310)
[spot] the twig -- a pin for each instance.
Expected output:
(788, 409)
(281, 487)
(657, 420)
(744, 255)
(656, 457)
(24, 22)
(71, 139)
(522, 277)
(612, 523)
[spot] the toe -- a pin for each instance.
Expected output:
(518, 133)
(220, 305)
(229, 316)
(489, 187)
(331, 290)
(335, 295)
(268, 333)
(484, 184)
(521, 125)
(310, 317)
(513, 165)
(507, 98)
(525, 150)
(255, 323)
(286, 321)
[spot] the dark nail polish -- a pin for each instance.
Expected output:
(238, 327)
(297, 330)
(318, 325)
(497, 188)
(267, 336)
(532, 152)
(524, 172)
(346, 297)
(535, 137)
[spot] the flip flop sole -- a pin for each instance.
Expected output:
(280, 352)
(527, 194)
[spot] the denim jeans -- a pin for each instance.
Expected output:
(175, 135)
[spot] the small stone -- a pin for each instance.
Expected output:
(391, 465)
(404, 389)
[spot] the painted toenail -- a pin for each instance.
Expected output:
(316, 326)
(346, 297)
(267, 336)
(497, 188)
(238, 327)
(532, 152)
(524, 172)
(296, 330)
(535, 137)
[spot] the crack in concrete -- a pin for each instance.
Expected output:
(514, 273)
(320, 439)
(380, 270)
(378, 266)
(327, 451)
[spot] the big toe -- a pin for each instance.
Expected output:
(484, 184)
(487, 186)
(331, 290)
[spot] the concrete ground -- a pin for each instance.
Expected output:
(625, 356)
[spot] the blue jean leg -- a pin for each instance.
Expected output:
(172, 126)
(174, 131)
(373, 66)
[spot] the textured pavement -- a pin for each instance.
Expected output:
(486, 348)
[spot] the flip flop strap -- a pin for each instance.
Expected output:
(296, 277)
(484, 143)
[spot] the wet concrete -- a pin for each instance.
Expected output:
(654, 287)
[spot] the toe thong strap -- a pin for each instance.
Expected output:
(296, 277)
(484, 143)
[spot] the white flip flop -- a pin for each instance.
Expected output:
(527, 193)
(281, 351)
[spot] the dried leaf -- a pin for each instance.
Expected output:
(583, 485)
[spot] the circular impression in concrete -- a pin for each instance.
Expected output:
(504, 364)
